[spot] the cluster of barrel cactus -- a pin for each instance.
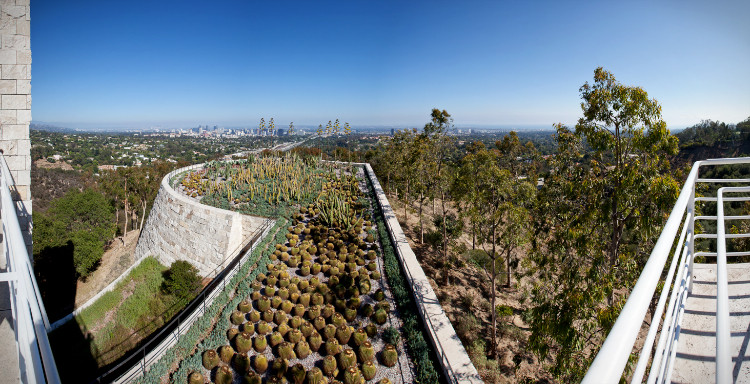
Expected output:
(316, 303)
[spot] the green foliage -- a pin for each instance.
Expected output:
(391, 336)
(83, 220)
(597, 217)
(181, 279)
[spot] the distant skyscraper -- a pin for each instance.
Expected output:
(393, 131)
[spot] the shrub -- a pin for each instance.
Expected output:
(391, 336)
(181, 279)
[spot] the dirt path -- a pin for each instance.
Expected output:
(114, 262)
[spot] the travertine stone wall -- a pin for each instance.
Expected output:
(15, 102)
(180, 228)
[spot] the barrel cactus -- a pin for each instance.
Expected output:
(279, 367)
(389, 355)
(223, 375)
(329, 332)
(264, 304)
(302, 349)
(241, 362)
(283, 329)
(196, 378)
(295, 322)
(319, 323)
(371, 330)
(327, 311)
(366, 352)
(276, 301)
(263, 328)
(332, 347)
(304, 299)
(237, 317)
(279, 317)
(344, 333)
(245, 306)
(294, 336)
(380, 316)
(330, 367)
(352, 376)
(243, 342)
(267, 316)
(287, 306)
(226, 353)
(260, 343)
(359, 337)
(252, 378)
(315, 376)
(313, 312)
(297, 373)
(347, 358)
(285, 350)
(369, 369)
(260, 363)
(315, 341)
(254, 316)
(210, 359)
(275, 339)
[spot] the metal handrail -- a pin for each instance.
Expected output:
(723, 330)
(144, 356)
(610, 361)
(36, 361)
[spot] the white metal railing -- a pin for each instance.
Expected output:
(610, 362)
(30, 323)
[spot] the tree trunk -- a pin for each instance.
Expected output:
(507, 263)
(143, 217)
(421, 227)
(492, 308)
(125, 227)
(445, 226)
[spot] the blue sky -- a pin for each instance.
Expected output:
(502, 63)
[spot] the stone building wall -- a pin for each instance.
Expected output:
(15, 102)
(180, 228)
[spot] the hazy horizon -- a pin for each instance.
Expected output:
(381, 63)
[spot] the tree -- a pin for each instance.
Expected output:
(84, 219)
(181, 279)
(596, 216)
(440, 148)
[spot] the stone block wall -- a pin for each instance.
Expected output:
(15, 102)
(180, 228)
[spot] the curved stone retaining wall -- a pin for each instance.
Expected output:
(180, 228)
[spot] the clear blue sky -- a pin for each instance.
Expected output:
(183, 63)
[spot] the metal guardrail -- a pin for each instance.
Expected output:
(36, 362)
(610, 362)
(138, 361)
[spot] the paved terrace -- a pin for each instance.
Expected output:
(8, 347)
(696, 350)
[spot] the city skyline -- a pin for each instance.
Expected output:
(379, 63)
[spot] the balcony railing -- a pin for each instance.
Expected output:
(30, 323)
(609, 364)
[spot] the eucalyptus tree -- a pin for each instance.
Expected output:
(440, 147)
(597, 215)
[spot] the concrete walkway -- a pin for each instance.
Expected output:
(9, 371)
(696, 350)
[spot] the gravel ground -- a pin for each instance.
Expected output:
(403, 372)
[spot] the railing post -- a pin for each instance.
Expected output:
(691, 237)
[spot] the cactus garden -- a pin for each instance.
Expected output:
(316, 307)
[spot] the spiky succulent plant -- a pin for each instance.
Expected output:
(210, 359)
